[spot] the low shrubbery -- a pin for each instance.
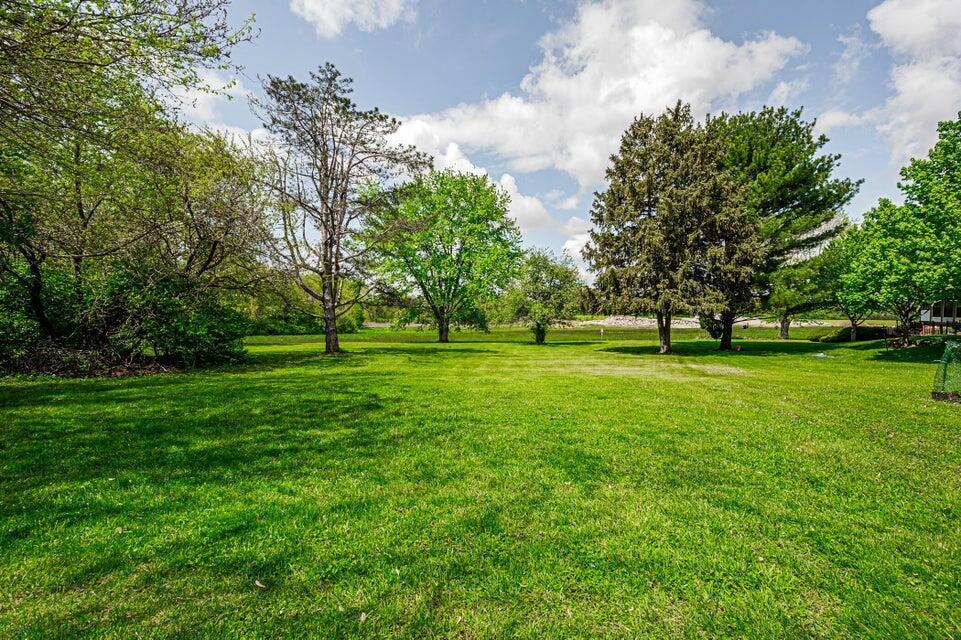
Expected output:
(127, 320)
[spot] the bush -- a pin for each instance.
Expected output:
(865, 333)
(182, 323)
(131, 319)
(352, 321)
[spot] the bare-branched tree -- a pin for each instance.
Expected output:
(326, 160)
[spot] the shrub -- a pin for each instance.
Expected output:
(182, 323)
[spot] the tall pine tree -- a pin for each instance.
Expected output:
(791, 202)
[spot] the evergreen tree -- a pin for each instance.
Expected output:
(790, 199)
(667, 198)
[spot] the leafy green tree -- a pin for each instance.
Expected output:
(795, 290)
(449, 237)
(899, 265)
(545, 293)
(91, 243)
(837, 281)
(57, 55)
(932, 185)
(790, 198)
(665, 186)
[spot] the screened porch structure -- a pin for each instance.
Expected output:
(941, 316)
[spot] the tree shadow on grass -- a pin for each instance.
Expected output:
(439, 351)
(746, 348)
(927, 354)
(147, 425)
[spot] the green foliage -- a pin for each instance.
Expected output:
(791, 205)
(899, 266)
(932, 186)
(850, 334)
(905, 256)
(796, 290)
(449, 238)
(545, 293)
(790, 188)
(59, 59)
(837, 281)
(181, 323)
(668, 199)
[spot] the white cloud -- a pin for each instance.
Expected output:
(529, 211)
(613, 60)
(330, 17)
(830, 120)
(201, 105)
(576, 226)
(927, 82)
(854, 53)
(787, 91)
(919, 28)
(925, 92)
(559, 200)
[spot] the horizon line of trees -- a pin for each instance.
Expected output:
(129, 240)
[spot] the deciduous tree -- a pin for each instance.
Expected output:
(449, 237)
(836, 279)
(327, 157)
(545, 293)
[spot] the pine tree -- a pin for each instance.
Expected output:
(790, 200)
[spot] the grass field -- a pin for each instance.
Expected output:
(488, 488)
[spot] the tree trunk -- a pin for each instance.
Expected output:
(784, 327)
(78, 281)
(36, 300)
(905, 316)
(540, 333)
(664, 331)
(331, 339)
(443, 329)
(854, 330)
(727, 331)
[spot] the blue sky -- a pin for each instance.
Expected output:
(536, 93)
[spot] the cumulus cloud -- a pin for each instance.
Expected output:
(560, 200)
(830, 120)
(612, 61)
(926, 82)
(919, 28)
(330, 17)
(529, 211)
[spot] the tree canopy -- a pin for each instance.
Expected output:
(329, 158)
(792, 200)
(449, 237)
(667, 191)
(545, 294)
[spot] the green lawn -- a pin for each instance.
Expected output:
(488, 488)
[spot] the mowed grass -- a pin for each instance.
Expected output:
(488, 488)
